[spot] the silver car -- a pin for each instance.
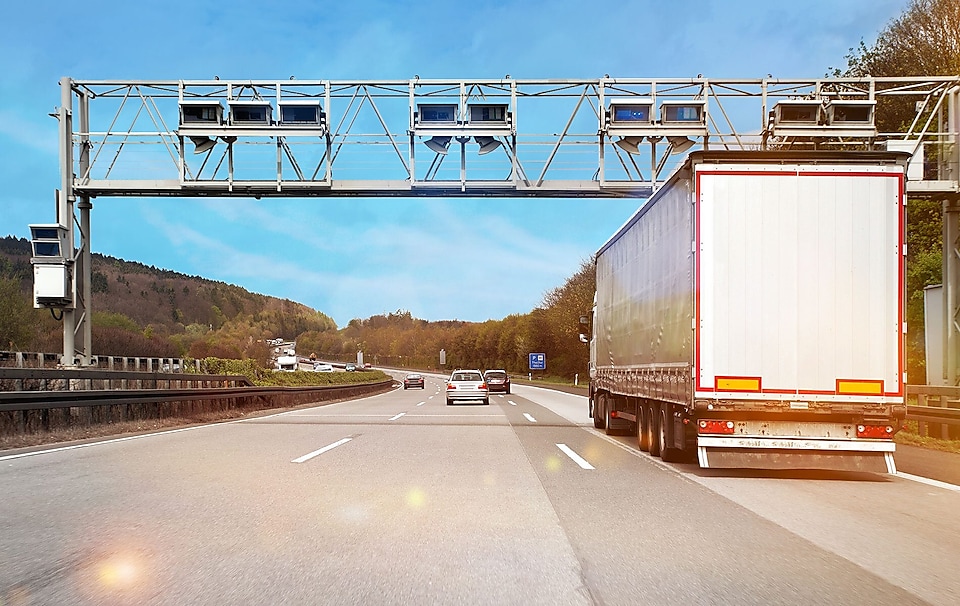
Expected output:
(467, 385)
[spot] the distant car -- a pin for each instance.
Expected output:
(322, 368)
(350, 367)
(368, 365)
(467, 385)
(413, 380)
(497, 380)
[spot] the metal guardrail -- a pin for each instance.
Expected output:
(24, 359)
(43, 399)
(937, 410)
(76, 379)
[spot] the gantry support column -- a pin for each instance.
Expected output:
(950, 156)
(65, 217)
(84, 304)
(76, 317)
(951, 283)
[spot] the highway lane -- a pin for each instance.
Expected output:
(899, 529)
(400, 499)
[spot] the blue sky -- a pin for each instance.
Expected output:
(353, 258)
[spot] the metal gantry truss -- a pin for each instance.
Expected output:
(557, 138)
(467, 138)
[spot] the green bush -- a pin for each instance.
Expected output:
(266, 377)
(302, 378)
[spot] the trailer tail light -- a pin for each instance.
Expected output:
(875, 431)
(451, 386)
(483, 386)
(715, 426)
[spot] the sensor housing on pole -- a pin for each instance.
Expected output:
(52, 263)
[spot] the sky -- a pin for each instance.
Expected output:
(438, 258)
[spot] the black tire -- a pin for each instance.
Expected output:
(653, 429)
(486, 401)
(449, 401)
(643, 437)
(607, 406)
(508, 391)
(404, 386)
(599, 415)
(668, 452)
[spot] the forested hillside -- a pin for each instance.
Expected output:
(145, 311)
(142, 310)
(399, 339)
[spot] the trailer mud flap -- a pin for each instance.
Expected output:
(729, 458)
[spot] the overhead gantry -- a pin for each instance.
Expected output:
(598, 138)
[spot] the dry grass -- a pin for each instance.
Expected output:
(89, 432)
(911, 436)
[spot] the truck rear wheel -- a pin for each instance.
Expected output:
(615, 426)
(599, 414)
(668, 452)
(653, 429)
(643, 422)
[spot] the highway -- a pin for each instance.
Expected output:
(400, 499)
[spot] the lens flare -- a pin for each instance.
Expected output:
(119, 573)
(553, 463)
(416, 498)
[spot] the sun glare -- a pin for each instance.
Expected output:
(415, 498)
(120, 572)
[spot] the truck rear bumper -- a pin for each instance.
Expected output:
(797, 443)
(787, 453)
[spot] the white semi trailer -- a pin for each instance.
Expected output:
(288, 363)
(752, 312)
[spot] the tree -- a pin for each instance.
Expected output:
(18, 324)
(924, 40)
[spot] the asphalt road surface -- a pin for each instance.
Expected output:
(401, 499)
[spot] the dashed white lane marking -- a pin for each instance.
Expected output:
(394, 418)
(573, 455)
(336, 416)
(450, 416)
(421, 403)
(315, 453)
(512, 403)
(529, 418)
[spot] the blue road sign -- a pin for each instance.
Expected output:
(538, 361)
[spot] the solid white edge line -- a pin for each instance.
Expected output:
(394, 418)
(315, 453)
(98, 443)
(928, 481)
(576, 458)
(529, 418)
(160, 433)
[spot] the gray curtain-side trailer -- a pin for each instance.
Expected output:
(751, 313)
